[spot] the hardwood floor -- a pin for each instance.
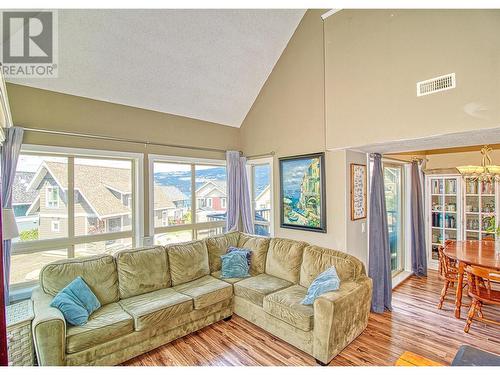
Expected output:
(415, 325)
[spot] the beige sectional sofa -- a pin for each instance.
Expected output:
(152, 296)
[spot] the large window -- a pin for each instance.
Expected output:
(71, 203)
(260, 177)
(189, 198)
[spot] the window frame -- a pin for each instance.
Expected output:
(403, 202)
(71, 240)
(251, 163)
(58, 222)
(194, 227)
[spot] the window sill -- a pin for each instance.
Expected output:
(22, 293)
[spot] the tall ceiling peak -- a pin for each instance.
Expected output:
(204, 64)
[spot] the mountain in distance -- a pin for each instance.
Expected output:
(182, 179)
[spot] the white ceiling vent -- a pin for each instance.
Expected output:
(433, 85)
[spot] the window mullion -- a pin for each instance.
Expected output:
(71, 204)
(194, 234)
(252, 193)
(133, 201)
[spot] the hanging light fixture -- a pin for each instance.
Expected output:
(484, 172)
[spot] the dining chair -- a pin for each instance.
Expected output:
(483, 291)
(448, 271)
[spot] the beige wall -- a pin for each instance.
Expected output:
(288, 118)
(375, 57)
(455, 159)
(35, 108)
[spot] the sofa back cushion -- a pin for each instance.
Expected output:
(259, 246)
(217, 246)
(317, 259)
(142, 270)
(98, 272)
(188, 261)
(284, 258)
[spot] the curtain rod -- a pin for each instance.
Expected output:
(401, 160)
(126, 140)
(145, 143)
(272, 153)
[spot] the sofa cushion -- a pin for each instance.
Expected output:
(285, 305)
(284, 259)
(99, 273)
(206, 291)
(106, 324)
(142, 270)
(259, 246)
(317, 259)
(254, 289)
(218, 246)
(188, 261)
(234, 280)
(156, 308)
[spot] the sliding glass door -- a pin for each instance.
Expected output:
(393, 184)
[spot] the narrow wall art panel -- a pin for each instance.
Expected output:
(358, 191)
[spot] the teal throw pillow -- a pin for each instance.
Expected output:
(325, 282)
(234, 265)
(246, 252)
(76, 302)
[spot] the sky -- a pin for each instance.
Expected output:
(30, 163)
(293, 171)
(177, 167)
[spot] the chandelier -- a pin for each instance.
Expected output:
(486, 171)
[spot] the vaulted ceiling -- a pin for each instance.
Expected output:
(204, 64)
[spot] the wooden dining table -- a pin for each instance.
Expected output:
(482, 253)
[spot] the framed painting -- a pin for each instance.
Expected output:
(358, 191)
(302, 192)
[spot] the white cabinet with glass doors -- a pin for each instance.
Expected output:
(480, 209)
(459, 208)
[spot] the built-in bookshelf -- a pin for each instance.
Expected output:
(444, 212)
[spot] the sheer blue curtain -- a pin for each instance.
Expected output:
(238, 194)
(379, 257)
(10, 154)
(418, 249)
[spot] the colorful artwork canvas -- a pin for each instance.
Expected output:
(302, 199)
(358, 191)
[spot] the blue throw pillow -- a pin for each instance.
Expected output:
(234, 265)
(246, 252)
(325, 282)
(76, 302)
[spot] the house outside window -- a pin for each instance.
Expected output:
(70, 204)
(191, 191)
(52, 197)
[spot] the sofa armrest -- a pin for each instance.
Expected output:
(340, 316)
(49, 330)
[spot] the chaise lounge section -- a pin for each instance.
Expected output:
(152, 296)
